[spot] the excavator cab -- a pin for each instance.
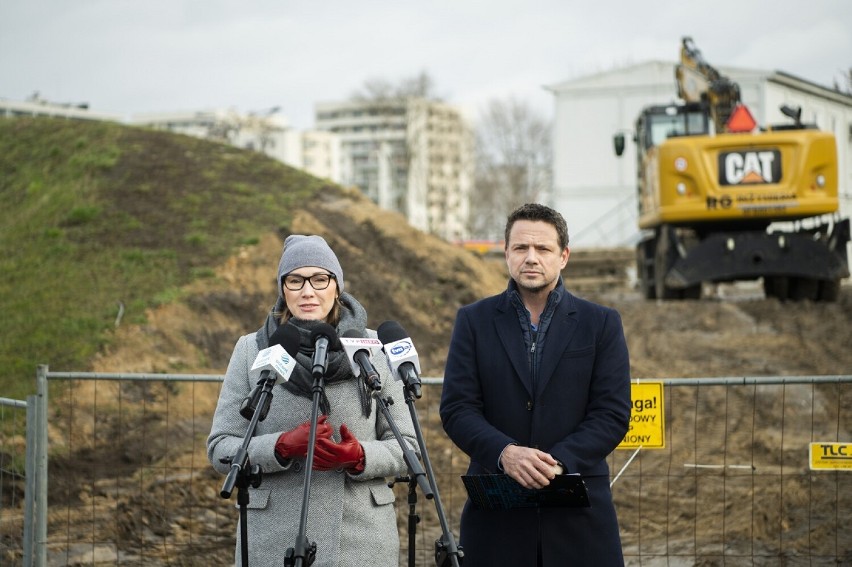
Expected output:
(657, 124)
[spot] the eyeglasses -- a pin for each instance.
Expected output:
(295, 282)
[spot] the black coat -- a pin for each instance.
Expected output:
(578, 412)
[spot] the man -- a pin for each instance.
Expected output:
(537, 383)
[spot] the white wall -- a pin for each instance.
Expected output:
(589, 180)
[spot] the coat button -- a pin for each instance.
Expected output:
(529, 405)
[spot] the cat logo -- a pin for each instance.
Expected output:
(750, 168)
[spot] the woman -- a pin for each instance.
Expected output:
(351, 515)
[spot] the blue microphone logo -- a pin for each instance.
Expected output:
(401, 348)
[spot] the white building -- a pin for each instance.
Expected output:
(37, 106)
(316, 152)
(410, 155)
(595, 190)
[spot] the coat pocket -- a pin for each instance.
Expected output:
(258, 499)
(580, 352)
(382, 494)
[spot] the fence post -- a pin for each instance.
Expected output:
(40, 512)
(29, 481)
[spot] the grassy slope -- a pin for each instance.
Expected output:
(98, 214)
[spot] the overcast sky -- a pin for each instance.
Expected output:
(135, 56)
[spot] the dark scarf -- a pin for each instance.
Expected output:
(538, 334)
(352, 316)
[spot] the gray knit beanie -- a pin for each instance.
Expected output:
(301, 251)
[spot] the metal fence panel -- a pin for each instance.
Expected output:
(16, 492)
(733, 485)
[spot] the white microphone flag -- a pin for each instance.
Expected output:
(353, 344)
(274, 359)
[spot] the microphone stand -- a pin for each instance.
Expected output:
(243, 474)
(417, 475)
(408, 453)
(447, 552)
(304, 553)
(413, 516)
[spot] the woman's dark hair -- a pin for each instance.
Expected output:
(538, 212)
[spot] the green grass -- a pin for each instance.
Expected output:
(94, 214)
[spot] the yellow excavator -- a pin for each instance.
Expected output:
(721, 200)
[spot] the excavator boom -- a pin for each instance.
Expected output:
(699, 82)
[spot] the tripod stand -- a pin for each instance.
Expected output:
(243, 474)
(447, 552)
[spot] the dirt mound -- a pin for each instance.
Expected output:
(398, 273)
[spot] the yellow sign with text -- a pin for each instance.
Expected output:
(828, 456)
(647, 418)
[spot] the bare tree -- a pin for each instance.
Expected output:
(225, 128)
(379, 89)
(513, 164)
(421, 85)
(844, 84)
(256, 126)
(374, 89)
(264, 128)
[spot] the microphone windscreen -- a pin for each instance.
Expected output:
(288, 337)
(391, 331)
(327, 331)
(351, 334)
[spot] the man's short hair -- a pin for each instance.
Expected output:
(538, 212)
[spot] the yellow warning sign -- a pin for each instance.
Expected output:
(830, 456)
(647, 418)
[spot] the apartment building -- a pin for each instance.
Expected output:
(410, 155)
(316, 152)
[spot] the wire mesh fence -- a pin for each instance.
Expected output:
(13, 459)
(129, 482)
(734, 486)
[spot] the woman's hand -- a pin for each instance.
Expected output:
(347, 455)
(294, 443)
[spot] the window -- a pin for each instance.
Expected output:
(662, 126)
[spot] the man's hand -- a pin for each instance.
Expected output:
(530, 467)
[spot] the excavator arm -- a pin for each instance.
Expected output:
(698, 81)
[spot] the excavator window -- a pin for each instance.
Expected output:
(672, 122)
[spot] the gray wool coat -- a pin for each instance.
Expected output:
(351, 517)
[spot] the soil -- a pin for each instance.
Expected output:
(399, 274)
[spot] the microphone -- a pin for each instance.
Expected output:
(402, 356)
(324, 338)
(358, 351)
(279, 359)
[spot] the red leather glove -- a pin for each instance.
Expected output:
(348, 454)
(294, 443)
